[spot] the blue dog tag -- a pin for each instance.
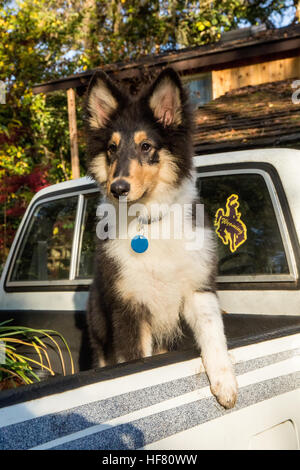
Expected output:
(139, 244)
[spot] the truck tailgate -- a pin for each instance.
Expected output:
(164, 402)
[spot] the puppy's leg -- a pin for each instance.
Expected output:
(97, 330)
(98, 356)
(202, 312)
(132, 333)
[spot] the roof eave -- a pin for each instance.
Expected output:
(198, 59)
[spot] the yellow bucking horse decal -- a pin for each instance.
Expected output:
(230, 227)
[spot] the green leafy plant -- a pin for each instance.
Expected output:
(19, 369)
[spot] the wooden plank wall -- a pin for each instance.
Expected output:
(226, 80)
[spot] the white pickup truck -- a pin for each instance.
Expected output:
(164, 402)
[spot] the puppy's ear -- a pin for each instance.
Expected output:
(103, 99)
(165, 98)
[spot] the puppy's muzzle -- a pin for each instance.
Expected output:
(120, 188)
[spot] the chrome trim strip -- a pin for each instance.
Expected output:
(66, 282)
(76, 235)
(82, 227)
(257, 278)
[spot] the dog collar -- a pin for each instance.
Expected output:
(149, 220)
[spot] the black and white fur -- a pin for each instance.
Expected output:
(142, 147)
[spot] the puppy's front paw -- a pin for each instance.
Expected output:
(224, 386)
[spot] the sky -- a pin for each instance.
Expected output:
(287, 18)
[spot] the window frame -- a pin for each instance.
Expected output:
(62, 284)
(77, 256)
(196, 77)
(285, 224)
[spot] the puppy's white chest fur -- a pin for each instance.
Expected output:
(162, 277)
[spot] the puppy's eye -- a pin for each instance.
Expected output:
(145, 147)
(112, 148)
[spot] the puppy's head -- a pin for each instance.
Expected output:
(140, 148)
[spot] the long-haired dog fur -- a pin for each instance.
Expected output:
(141, 148)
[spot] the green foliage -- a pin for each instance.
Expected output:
(126, 29)
(34, 40)
(41, 40)
(22, 367)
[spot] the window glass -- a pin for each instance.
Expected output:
(200, 89)
(248, 237)
(45, 253)
(88, 238)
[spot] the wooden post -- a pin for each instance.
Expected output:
(73, 133)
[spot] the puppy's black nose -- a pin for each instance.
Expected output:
(120, 188)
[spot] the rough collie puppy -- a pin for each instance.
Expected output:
(140, 151)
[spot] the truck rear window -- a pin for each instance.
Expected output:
(241, 211)
(45, 253)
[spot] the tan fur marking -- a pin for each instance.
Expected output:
(167, 172)
(150, 179)
(139, 137)
(142, 178)
(101, 362)
(115, 138)
(124, 292)
(160, 351)
(99, 168)
(110, 177)
(146, 339)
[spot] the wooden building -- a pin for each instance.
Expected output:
(249, 117)
(249, 57)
